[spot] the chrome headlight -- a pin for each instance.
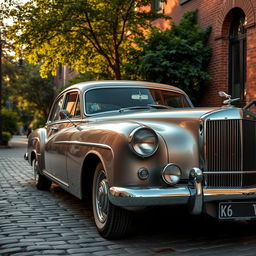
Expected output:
(143, 141)
(171, 174)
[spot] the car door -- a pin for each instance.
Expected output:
(58, 131)
(55, 160)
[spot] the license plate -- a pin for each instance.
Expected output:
(237, 210)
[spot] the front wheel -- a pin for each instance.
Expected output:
(42, 183)
(111, 221)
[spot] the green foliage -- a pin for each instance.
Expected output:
(178, 56)
(6, 136)
(10, 121)
(90, 36)
(37, 93)
(37, 122)
(29, 94)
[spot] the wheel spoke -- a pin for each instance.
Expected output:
(102, 203)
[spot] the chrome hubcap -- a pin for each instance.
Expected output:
(102, 203)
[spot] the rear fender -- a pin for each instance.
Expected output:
(36, 146)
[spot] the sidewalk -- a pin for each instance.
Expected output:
(17, 147)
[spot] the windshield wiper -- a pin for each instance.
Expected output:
(148, 106)
(134, 108)
(158, 106)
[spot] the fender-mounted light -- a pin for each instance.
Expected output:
(171, 174)
(143, 141)
(143, 173)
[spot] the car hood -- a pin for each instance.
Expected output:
(173, 115)
(165, 115)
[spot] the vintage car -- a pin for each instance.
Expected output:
(130, 144)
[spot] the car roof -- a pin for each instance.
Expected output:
(84, 86)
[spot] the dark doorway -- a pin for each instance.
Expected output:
(237, 56)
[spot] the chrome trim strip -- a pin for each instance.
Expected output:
(54, 178)
(231, 172)
(228, 191)
(62, 121)
(242, 148)
(84, 144)
(211, 195)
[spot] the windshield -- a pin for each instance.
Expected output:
(110, 99)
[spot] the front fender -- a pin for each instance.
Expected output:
(184, 143)
(109, 141)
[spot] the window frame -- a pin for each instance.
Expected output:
(53, 109)
(241, 41)
(78, 102)
(79, 97)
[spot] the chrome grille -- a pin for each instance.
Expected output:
(230, 150)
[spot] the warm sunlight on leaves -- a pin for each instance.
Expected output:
(91, 35)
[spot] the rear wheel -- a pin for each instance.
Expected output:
(42, 183)
(111, 221)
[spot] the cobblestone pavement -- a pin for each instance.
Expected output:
(34, 222)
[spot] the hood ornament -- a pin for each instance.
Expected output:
(228, 100)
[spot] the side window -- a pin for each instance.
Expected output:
(55, 114)
(77, 110)
(72, 104)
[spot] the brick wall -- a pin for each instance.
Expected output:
(218, 14)
(63, 75)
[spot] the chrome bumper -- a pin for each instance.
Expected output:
(193, 194)
(26, 156)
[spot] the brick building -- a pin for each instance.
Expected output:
(63, 75)
(233, 40)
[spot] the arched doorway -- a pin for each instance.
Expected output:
(237, 56)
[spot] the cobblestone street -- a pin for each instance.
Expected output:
(34, 222)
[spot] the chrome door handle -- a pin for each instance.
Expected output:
(55, 128)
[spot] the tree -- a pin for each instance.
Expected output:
(29, 94)
(90, 36)
(4, 11)
(178, 56)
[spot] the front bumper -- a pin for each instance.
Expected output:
(193, 194)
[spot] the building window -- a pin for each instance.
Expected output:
(237, 57)
(157, 4)
(183, 1)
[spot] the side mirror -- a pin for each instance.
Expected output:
(64, 114)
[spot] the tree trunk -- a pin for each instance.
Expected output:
(117, 64)
(117, 72)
